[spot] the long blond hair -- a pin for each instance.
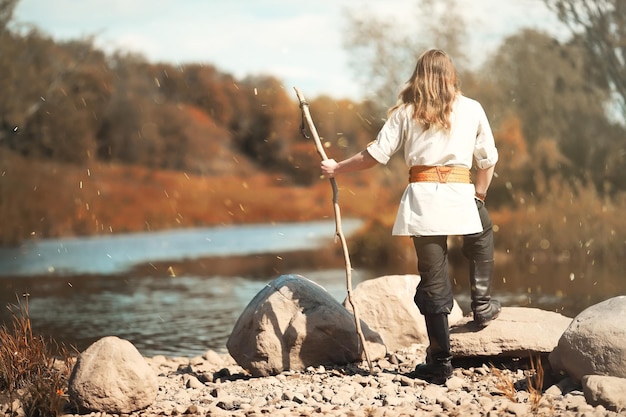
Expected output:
(431, 89)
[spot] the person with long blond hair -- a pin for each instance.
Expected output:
(443, 134)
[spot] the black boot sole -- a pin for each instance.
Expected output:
(433, 375)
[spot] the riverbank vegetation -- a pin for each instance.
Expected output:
(34, 370)
(92, 143)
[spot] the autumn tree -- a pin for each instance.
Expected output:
(561, 108)
(601, 25)
(52, 96)
(6, 13)
(26, 76)
(344, 128)
(65, 124)
(202, 86)
(267, 129)
(383, 55)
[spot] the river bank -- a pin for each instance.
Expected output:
(214, 385)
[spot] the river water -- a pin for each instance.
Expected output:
(83, 289)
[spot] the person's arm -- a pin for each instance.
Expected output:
(360, 161)
(483, 180)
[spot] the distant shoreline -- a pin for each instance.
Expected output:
(251, 266)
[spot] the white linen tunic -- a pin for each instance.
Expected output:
(431, 208)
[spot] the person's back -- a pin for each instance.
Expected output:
(443, 134)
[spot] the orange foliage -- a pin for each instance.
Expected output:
(64, 200)
(511, 142)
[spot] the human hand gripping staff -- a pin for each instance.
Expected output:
(443, 134)
(306, 115)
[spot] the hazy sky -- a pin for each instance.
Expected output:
(298, 42)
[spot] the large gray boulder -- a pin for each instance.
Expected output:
(386, 305)
(293, 323)
(111, 376)
(517, 332)
(595, 342)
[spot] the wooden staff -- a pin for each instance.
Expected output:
(306, 115)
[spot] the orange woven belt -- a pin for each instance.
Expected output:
(443, 174)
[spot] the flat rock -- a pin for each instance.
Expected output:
(517, 332)
(386, 305)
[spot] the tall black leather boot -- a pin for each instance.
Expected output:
(484, 308)
(438, 366)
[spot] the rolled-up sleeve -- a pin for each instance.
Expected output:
(485, 151)
(390, 139)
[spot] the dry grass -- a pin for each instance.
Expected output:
(33, 369)
(504, 384)
(534, 382)
(572, 224)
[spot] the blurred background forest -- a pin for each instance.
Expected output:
(95, 143)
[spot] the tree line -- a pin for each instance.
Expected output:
(72, 103)
(552, 106)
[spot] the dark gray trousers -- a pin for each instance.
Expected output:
(434, 292)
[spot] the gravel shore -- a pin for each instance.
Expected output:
(214, 385)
